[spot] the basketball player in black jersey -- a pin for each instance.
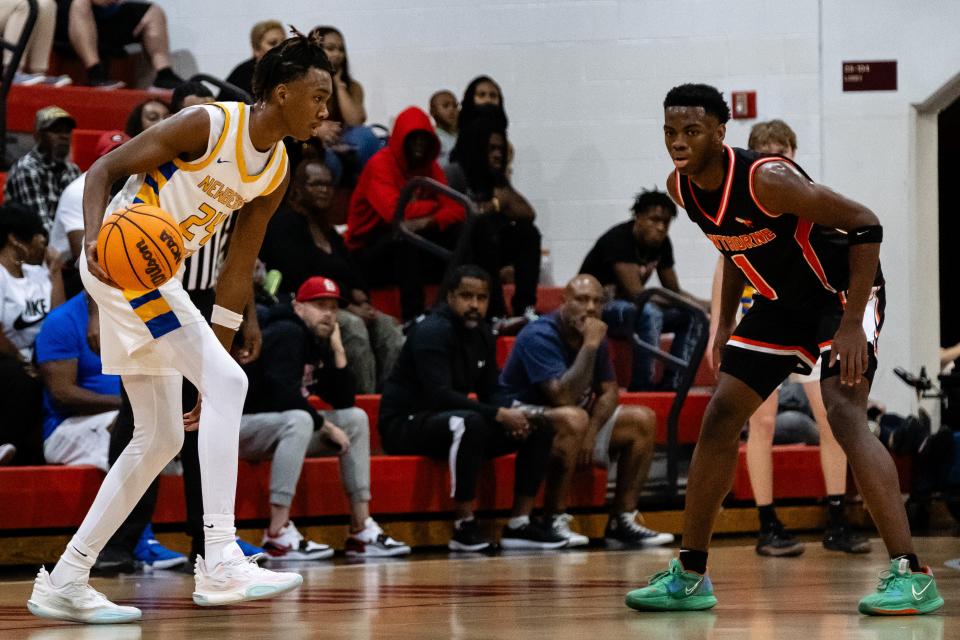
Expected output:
(813, 257)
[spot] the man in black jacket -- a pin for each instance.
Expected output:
(302, 348)
(426, 410)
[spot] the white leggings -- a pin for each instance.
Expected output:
(158, 433)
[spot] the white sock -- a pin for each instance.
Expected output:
(518, 521)
(219, 540)
(74, 564)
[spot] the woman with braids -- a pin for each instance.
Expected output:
(347, 143)
(200, 165)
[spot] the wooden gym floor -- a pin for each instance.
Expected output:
(558, 595)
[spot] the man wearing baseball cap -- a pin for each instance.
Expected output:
(302, 348)
(39, 177)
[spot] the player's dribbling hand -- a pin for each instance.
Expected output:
(191, 420)
(93, 265)
(594, 331)
(849, 352)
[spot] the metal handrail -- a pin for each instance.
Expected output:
(223, 85)
(689, 368)
(406, 194)
(11, 69)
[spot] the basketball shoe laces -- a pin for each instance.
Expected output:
(892, 581)
(674, 571)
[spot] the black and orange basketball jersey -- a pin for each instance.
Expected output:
(784, 257)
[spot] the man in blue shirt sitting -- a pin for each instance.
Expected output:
(80, 404)
(562, 361)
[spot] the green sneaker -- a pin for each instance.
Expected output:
(902, 593)
(674, 590)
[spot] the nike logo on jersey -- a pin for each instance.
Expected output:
(20, 324)
(222, 161)
(747, 223)
(86, 556)
(917, 594)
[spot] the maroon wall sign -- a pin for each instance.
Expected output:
(870, 75)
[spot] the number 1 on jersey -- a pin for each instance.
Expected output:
(753, 276)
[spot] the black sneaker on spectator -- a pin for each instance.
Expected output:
(112, 561)
(467, 536)
(291, 545)
(624, 532)
(775, 541)
(531, 535)
(844, 539)
(7, 451)
(373, 542)
(560, 524)
(167, 79)
(106, 84)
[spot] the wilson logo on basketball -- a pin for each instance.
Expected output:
(152, 269)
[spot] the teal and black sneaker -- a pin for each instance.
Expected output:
(674, 590)
(902, 592)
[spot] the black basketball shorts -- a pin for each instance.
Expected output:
(773, 341)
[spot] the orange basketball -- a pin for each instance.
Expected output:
(140, 247)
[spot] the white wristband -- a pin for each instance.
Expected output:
(225, 318)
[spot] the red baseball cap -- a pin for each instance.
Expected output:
(110, 140)
(316, 288)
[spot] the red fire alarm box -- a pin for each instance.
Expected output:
(744, 104)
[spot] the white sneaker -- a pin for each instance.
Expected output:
(239, 579)
(291, 545)
(76, 602)
(372, 542)
(7, 451)
(561, 526)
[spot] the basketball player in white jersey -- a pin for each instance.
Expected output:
(198, 166)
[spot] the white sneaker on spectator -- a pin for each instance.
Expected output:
(372, 542)
(624, 532)
(291, 545)
(561, 526)
(75, 602)
(7, 451)
(237, 580)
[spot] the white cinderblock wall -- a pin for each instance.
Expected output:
(583, 82)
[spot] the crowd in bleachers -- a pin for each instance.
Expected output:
(312, 340)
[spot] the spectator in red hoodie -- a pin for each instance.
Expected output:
(384, 259)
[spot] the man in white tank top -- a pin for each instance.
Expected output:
(199, 166)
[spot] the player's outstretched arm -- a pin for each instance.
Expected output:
(182, 136)
(780, 188)
(235, 283)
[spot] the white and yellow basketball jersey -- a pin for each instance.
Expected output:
(203, 193)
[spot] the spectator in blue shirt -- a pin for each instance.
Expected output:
(562, 361)
(79, 402)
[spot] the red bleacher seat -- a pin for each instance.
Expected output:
(83, 146)
(797, 473)
(91, 108)
(3, 183)
(400, 484)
